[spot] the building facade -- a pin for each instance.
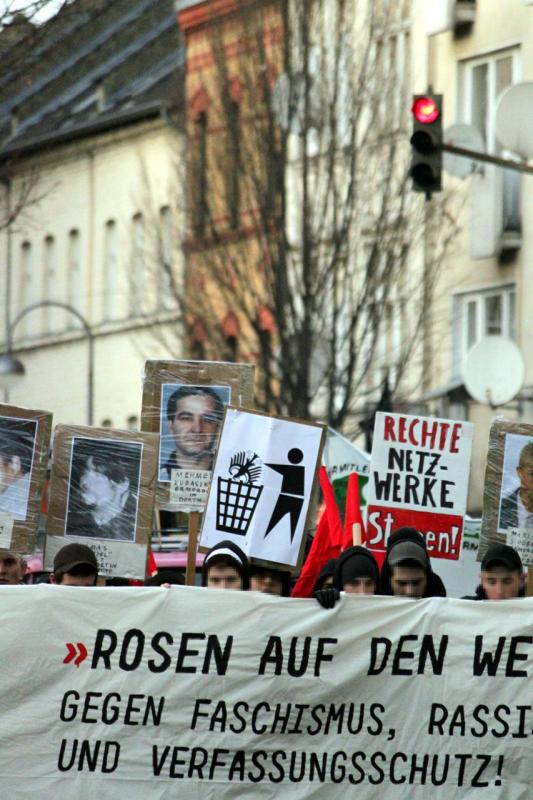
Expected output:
(90, 150)
(471, 52)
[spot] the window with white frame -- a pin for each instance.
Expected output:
(490, 312)
(483, 80)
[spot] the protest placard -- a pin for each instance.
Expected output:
(183, 402)
(508, 492)
(102, 493)
(138, 693)
(262, 484)
(342, 458)
(419, 474)
(24, 447)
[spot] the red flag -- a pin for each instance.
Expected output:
(352, 514)
(332, 510)
(325, 545)
(151, 567)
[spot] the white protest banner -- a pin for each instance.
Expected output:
(419, 477)
(189, 693)
(262, 483)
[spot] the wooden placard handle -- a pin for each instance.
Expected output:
(192, 547)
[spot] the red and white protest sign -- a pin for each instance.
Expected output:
(419, 477)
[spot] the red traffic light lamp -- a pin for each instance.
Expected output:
(426, 144)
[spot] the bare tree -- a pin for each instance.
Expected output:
(307, 250)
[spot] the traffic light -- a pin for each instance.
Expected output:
(426, 143)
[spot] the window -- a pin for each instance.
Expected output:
(74, 276)
(26, 288)
(199, 177)
(138, 270)
(491, 312)
(166, 298)
(234, 164)
(483, 80)
(133, 423)
(49, 281)
(110, 305)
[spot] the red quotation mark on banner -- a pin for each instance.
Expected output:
(73, 651)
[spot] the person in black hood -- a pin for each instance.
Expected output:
(269, 580)
(356, 572)
(226, 567)
(502, 575)
(325, 576)
(407, 570)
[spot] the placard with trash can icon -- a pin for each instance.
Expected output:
(262, 483)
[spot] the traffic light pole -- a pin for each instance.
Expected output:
(475, 155)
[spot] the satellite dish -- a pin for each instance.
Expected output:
(461, 136)
(494, 371)
(513, 119)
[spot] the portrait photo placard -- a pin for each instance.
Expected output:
(508, 492)
(263, 479)
(24, 449)
(184, 402)
(102, 494)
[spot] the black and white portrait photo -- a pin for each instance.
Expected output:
(17, 444)
(516, 501)
(191, 416)
(103, 488)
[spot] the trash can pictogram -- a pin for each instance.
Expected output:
(236, 503)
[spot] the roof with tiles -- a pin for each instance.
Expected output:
(94, 66)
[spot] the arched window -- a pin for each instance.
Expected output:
(138, 266)
(74, 277)
(26, 288)
(110, 299)
(49, 281)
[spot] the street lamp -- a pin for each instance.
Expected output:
(12, 369)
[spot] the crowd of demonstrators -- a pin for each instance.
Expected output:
(406, 572)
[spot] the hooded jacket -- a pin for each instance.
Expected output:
(434, 587)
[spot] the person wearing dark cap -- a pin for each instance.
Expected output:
(75, 565)
(356, 572)
(406, 571)
(270, 581)
(225, 567)
(502, 575)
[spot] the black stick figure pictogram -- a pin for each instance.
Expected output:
(291, 496)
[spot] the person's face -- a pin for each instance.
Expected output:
(266, 582)
(10, 471)
(11, 569)
(364, 585)
(97, 490)
(195, 424)
(78, 580)
(408, 581)
(219, 577)
(501, 583)
(525, 473)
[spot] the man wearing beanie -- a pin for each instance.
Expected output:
(406, 571)
(356, 572)
(502, 575)
(225, 567)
